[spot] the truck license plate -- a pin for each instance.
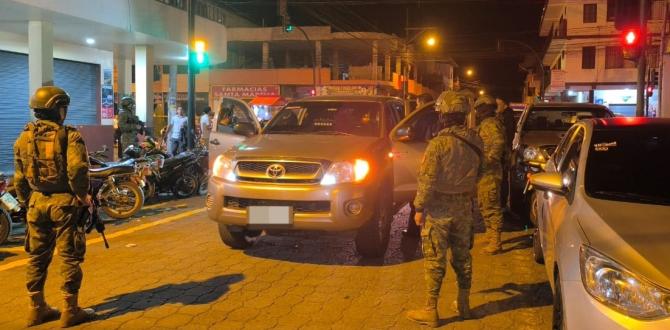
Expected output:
(270, 215)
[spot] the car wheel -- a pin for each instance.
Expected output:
(558, 318)
(5, 226)
(537, 247)
(373, 237)
(238, 239)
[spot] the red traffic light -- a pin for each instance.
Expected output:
(631, 37)
(650, 91)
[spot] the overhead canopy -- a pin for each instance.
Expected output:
(267, 100)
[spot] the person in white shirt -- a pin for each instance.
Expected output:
(176, 132)
(205, 125)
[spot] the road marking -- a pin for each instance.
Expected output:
(176, 217)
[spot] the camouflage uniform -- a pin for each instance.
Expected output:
(53, 208)
(128, 123)
(492, 134)
(447, 181)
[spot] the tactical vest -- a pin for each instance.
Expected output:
(45, 160)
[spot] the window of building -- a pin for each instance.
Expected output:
(611, 10)
(613, 57)
(590, 13)
(589, 57)
(652, 56)
(657, 8)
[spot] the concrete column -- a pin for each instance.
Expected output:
(40, 55)
(375, 60)
(172, 92)
(318, 62)
(387, 67)
(266, 55)
(144, 82)
(398, 65)
(664, 107)
(123, 75)
(335, 69)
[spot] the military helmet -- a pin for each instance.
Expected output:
(485, 100)
(49, 98)
(127, 102)
(452, 102)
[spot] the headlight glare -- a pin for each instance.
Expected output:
(223, 168)
(620, 289)
(342, 172)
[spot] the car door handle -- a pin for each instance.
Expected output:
(214, 142)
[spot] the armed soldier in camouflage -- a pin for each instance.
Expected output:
(447, 183)
(128, 123)
(51, 178)
(492, 133)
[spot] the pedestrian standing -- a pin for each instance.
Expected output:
(506, 115)
(205, 125)
(492, 134)
(447, 181)
(51, 178)
(176, 132)
(128, 123)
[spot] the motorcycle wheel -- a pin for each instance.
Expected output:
(5, 226)
(186, 186)
(123, 203)
(149, 189)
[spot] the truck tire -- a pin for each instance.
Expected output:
(5, 226)
(237, 239)
(372, 238)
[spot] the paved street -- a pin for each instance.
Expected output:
(168, 269)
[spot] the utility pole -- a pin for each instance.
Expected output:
(190, 133)
(642, 62)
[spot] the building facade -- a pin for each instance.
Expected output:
(584, 58)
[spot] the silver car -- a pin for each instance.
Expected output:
(332, 163)
(604, 224)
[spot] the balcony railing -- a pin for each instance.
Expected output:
(202, 9)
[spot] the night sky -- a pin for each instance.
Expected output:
(468, 29)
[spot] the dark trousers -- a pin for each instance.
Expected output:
(176, 147)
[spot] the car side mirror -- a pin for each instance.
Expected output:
(244, 129)
(403, 134)
(548, 182)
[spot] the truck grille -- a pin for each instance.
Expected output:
(298, 206)
(279, 171)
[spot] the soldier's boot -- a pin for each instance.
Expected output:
(73, 314)
(39, 311)
(494, 246)
(426, 315)
(463, 303)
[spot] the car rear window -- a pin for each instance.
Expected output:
(560, 118)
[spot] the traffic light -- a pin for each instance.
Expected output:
(631, 41)
(286, 23)
(650, 90)
(654, 77)
(199, 57)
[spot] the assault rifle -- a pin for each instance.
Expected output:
(92, 220)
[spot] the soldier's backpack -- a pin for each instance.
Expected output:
(46, 157)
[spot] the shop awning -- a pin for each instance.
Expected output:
(267, 100)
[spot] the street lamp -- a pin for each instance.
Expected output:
(431, 42)
(482, 92)
(469, 72)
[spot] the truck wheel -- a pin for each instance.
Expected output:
(372, 238)
(537, 247)
(5, 226)
(237, 239)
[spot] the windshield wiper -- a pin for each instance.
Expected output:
(634, 197)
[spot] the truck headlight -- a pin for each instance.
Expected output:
(342, 172)
(615, 286)
(223, 168)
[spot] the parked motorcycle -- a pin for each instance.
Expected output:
(11, 212)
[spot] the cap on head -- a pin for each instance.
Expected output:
(49, 98)
(485, 100)
(452, 102)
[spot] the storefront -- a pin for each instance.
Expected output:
(81, 80)
(266, 107)
(244, 92)
(623, 101)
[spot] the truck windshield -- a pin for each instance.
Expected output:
(327, 117)
(630, 165)
(559, 118)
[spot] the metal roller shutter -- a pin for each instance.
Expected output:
(81, 80)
